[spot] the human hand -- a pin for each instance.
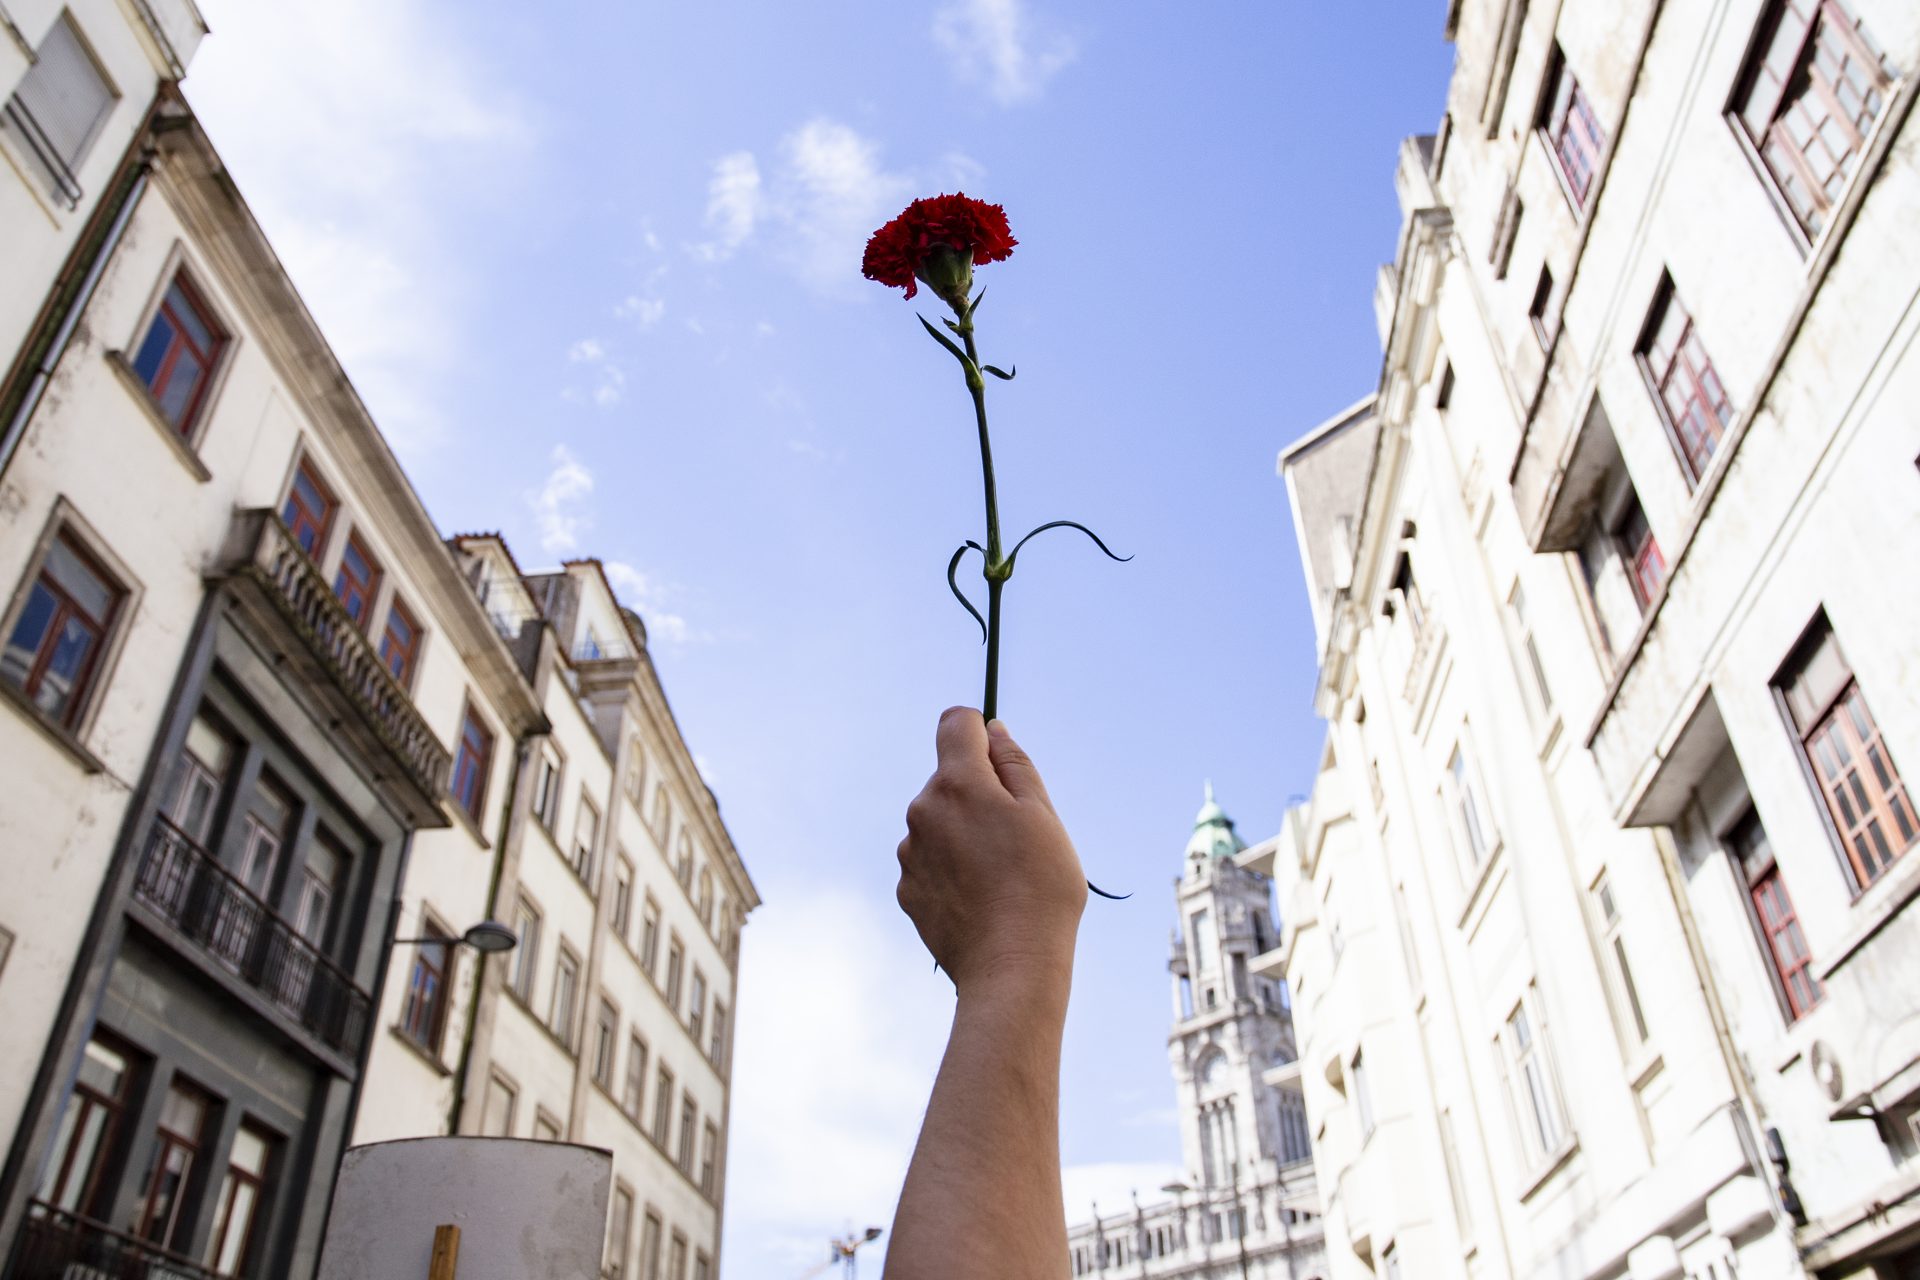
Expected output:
(988, 875)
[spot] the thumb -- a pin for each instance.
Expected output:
(1014, 766)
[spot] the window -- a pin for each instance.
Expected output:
(632, 1097)
(89, 1124)
(619, 1234)
(689, 1117)
(470, 764)
(1362, 1096)
(57, 111)
(566, 989)
(357, 580)
(649, 935)
(399, 643)
(1863, 789)
(677, 1258)
(1530, 1084)
(309, 510)
(1639, 551)
(1807, 100)
(1390, 1262)
(496, 1118)
(1506, 229)
(53, 650)
(662, 815)
(702, 1269)
(1404, 592)
(662, 1108)
(545, 1127)
(586, 830)
(1470, 820)
(1687, 390)
(1572, 133)
(1456, 1180)
(1786, 945)
(697, 1013)
(1201, 929)
(703, 902)
(201, 774)
(636, 773)
(238, 1207)
(1540, 310)
(1613, 946)
(424, 1013)
(263, 828)
(1186, 996)
(176, 359)
(622, 915)
(319, 882)
(181, 1131)
(1539, 695)
(676, 961)
(606, 1030)
(650, 1232)
(546, 790)
(709, 1155)
(526, 956)
(683, 862)
(717, 1051)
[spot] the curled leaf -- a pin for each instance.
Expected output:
(1005, 375)
(948, 343)
(1065, 524)
(953, 566)
(1112, 897)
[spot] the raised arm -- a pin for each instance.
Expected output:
(991, 881)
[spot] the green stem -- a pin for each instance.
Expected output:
(995, 569)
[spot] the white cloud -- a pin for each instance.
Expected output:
(828, 1094)
(586, 351)
(645, 594)
(558, 505)
(610, 380)
(995, 43)
(827, 192)
(734, 204)
(356, 129)
(1113, 1186)
(645, 312)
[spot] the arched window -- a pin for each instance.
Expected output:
(705, 901)
(636, 773)
(683, 862)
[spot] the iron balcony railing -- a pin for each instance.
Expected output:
(213, 909)
(54, 1244)
(301, 595)
(65, 185)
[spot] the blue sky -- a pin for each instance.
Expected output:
(595, 267)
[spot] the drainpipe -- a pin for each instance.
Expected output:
(74, 288)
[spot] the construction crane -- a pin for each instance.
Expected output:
(841, 1253)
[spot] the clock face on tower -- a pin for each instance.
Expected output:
(1214, 1073)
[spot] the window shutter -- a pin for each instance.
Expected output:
(65, 93)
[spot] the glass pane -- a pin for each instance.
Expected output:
(153, 351)
(74, 577)
(249, 1153)
(29, 633)
(183, 1113)
(183, 383)
(60, 680)
(238, 1221)
(102, 1069)
(189, 317)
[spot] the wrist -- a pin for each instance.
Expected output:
(1019, 985)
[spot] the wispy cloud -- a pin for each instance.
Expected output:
(734, 205)
(998, 44)
(609, 378)
(645, 312)
(559, 504)
(828, 188)
(350, 126)
(651, 598)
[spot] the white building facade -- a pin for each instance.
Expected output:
(1598, 939)
(1246, 1206)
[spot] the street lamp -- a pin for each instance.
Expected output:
(1178, 1190)
(489, 937)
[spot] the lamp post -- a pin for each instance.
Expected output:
(1178, 1190)
(489, 937)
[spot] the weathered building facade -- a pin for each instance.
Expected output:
(274, 747)
(1247, 1205)
(1618, 676)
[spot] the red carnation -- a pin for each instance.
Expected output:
(939, 241)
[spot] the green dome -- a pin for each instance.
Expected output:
(1213, 833)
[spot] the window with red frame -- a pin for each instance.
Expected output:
(88, 1127)
(54, 648)
(1646, 568)
(238, 1208)
(399, 642)
(1816, 84)
(1856, 775)
(176, 1149)
(357, 580)
(1687, 389)
(309, 510)
(1573, 133)
(470, 765)
(424, 1013)
(1779, 923)
(176, 359)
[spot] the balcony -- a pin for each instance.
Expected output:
(223, 920)
(332, 660)
(57, 1245)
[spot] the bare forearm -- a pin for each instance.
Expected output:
(982, 1196)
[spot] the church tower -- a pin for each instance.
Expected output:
(1242, 1121)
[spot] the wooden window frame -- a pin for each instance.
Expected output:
(472, 724)
(526, 964)
(390, 645)
(167, 1141)
(82, 696)
(564, 1027)
(423, 1017)
(582, 856)
(1694, 376)
(621, 913)
(606, 1043)
(1561, 121)
(294, 506)
(369, 587)
(633, 1093)
(662, 1106)
(1540, 308)
(224, 1206)
(212, 359)
(106, 1141)
(1776, 924)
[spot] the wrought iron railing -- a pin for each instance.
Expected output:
(310, 605)
(65, 185)
(212, 908)
(54, 1244)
